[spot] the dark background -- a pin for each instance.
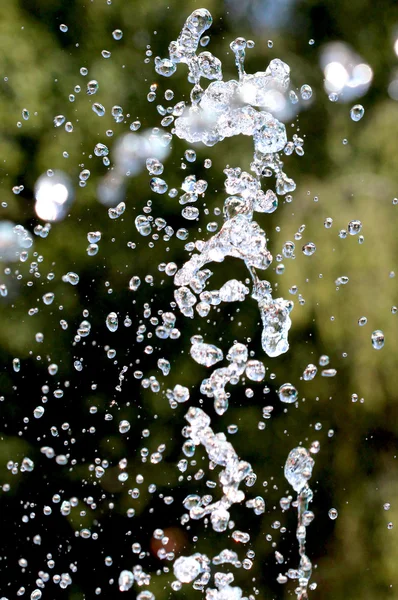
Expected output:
(355, 471)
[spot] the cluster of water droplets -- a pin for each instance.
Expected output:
(223, 109)
(226, 109)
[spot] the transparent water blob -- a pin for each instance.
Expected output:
(357, 112)
(309, 249)
(112, 322)
(306, 92)
(354, 227)
(92, 87)
(298, 468)
(99, 109)
(126, 580)
(288, 393)
(333, 514)
(186, 568)
(309, 372)
(59, 120)
(54, 196)
(158, 185)
(101, 150)
(117, 34)
(377, 339)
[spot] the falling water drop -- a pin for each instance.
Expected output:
(357, 112)
(112, 321)
(377, 339)
(288, 393)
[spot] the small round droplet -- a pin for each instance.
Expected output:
(190, 155)
(306, 91)
(124, 426)
(287, 393)
(309, 249)
(48, 298)
(354, 227)
(333, 514)
(63, 28)
(357, 112)
(117, 34)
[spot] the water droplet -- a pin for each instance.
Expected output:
(112, 322)
(59, 120)
(92, 87)
(165, 67)
(306, 92)
(354, 227)
(357, 112)
(117, 34)
(38, 412)
(309, 372)
(287, 393)
(101, 150)
(206, 354)
(158, 185)
(71, 277)
(190, 155)
(309, 249)
(48, 298)
(186, 568)
(126, 580)
(377, 339)
(333, 514)
(134, 283)
(298, 468)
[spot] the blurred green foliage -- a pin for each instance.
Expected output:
(355, 471)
